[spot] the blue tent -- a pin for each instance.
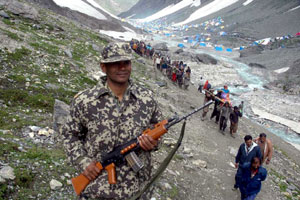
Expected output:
(180, 45)
(229, 50)
(219, 49)
(241, 48)
(202, 44)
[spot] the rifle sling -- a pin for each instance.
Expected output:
(163, 165)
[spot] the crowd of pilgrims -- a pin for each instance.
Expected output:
(177, 71)
(180, 74)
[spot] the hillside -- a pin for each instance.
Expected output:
(117, 6)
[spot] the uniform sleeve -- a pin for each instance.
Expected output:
(156, 115)
(73, 133)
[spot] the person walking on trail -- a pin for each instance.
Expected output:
(108, 115)
(208, 96)
(246, 153)
(225, 112)
(252, 174)
(241, 107)
(234, 120)
(217, 107)
(201, 84)
(266, 147)
(157, 62)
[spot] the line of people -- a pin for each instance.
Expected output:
(177, 71)
(142, 49)
(223, 109)
(252, 154)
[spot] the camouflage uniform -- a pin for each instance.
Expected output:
(98, 122)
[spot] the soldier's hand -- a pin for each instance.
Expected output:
(147, 143)
(91, 171)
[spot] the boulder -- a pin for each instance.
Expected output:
(68, 53)
(254, 50)
(54, 184)
(22, 9)
(200, 163)
(60, 114)
(4, 14)
(205, 58)
(7, 172)
(257, 65)
(161, 46)
(178, 51)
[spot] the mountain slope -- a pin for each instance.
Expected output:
(90, 15)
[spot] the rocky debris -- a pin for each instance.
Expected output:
(7, 173)
(161, 47)
(250, 51)
(96, 48)
(200, 163)
(4, 14)
(141, 60)
(178, 51)
(68, 53)
(60, 114)
(22, 9)
(257, 65)
(54, 184)
(205, 59)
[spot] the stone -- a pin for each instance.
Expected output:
(166, 186)
(288, 195)
(96, 48)
(200, 163)
(178, 51)
(69, 182)
(205, 59)
(141, 60)
(44, 132)
(20, 8)
(233, 151)
(51, 86)
(31, 134)
(4, 14)
(7, 172)
(54, 184)
(60, 114)
(67, 175)
(68, 53)
(186, 150)
(161, 46)
(2, 180)
(252, 50)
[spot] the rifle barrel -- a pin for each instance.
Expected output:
(189, 114)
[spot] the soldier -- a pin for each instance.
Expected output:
(105, 116)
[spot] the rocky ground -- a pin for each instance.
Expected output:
(52, 58)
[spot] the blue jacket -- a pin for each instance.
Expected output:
(242, 157)
(248, 185)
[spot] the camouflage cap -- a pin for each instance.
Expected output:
(117, 51)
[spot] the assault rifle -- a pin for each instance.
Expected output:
(127, 151)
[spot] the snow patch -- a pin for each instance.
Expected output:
(281, 70)
(80, 6)
(126, 36)
(207, 10)
(247, 2)
(294, 9)
(93, 3)
(295, 126)
(196, 3)
(170, 9)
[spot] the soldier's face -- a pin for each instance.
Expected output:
(117, 72)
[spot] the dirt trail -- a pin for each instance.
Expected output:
(203, 166)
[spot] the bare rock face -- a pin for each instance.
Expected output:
(22, 9)
(254, 50)
(60, 114)
(161, 47)
(205, 58)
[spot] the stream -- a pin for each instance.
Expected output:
(253, 82)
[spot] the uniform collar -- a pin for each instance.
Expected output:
(102, 88)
